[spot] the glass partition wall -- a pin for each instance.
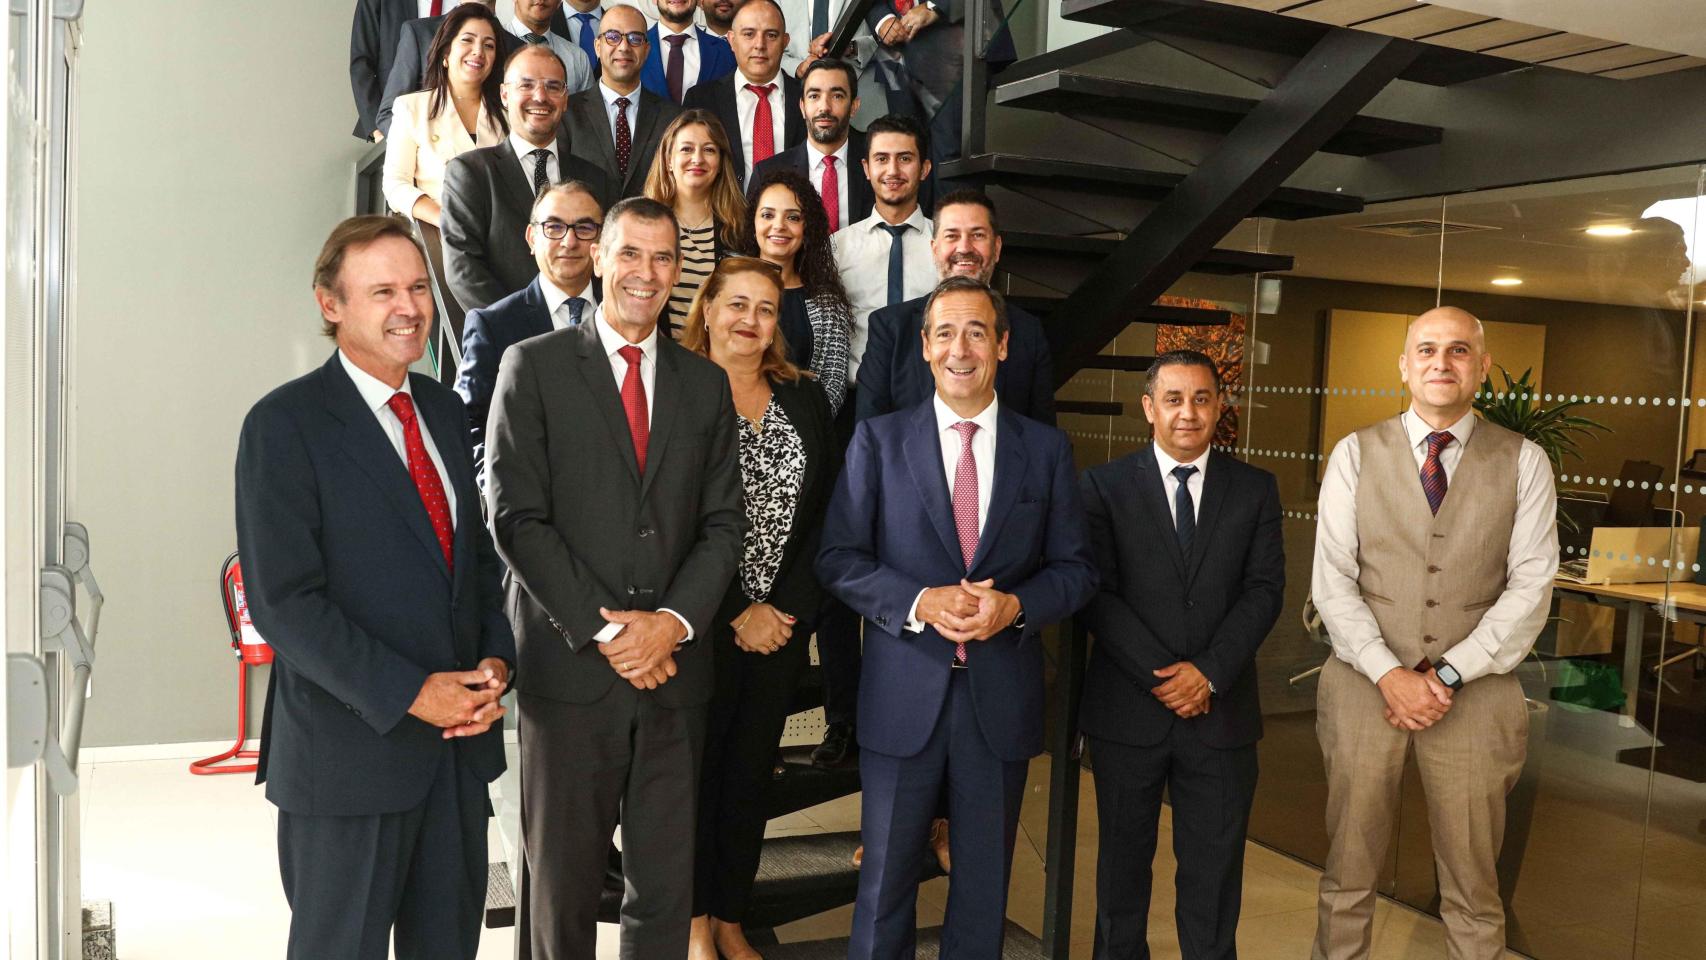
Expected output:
(1589, 292)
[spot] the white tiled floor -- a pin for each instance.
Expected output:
(188, 863)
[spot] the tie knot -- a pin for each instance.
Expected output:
(539, 154)
(761, 90)
(1183, 474)
(895, 229)
(676, 41)
(584, 18)
(965, 428)
(622, 102)
(631, 354)
(402, 406)
(1439, 440)
(533, 38)
(829, 162)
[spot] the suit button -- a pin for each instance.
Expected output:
(1430, 639)
(882, 621)
(1433, 603)
(632, 590)
(1432, 568)
(1190, 604)
(645, 531)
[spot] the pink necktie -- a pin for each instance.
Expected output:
(965, 505)
(424, 473)
(831, 194)
(634, 404)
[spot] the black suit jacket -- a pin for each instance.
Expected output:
(373, 38)
(345, 578)
(800, 157)
(1212, 607)
(483, 219)
(591, 140)
(893, 375)
(581, 528)
(718, 96)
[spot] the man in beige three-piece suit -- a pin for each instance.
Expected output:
(1434, 556)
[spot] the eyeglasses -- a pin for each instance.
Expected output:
(557, 229)
(555, 88)
(614, 38)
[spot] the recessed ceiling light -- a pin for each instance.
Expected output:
(1507, 282)
(1609, 230)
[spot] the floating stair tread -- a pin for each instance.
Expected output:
(1021, 945)
(1090, 408)
(807, 786)
(1218, 261)
(1155, 313)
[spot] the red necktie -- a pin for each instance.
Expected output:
(634, 404)
(424, 472)
(965, 505)
(902, 6)
(1433, 472)
(437, 8)
(763, 124)
(831, 194)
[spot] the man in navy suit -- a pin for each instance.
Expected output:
(1192, 564)
(833, 153)
(956, 532)
(965, 241)
(369, 571)
(562, 233)
(682, 54)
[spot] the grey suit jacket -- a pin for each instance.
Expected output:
(591, 139)
(581, 527)
(486, 204)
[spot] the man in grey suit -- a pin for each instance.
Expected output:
(489, 192)
(616, 125)
(616, 500)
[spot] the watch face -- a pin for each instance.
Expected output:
(1448, 675)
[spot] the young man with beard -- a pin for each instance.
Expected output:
(617, 124)
(719, 15)
(833, 154)
(752, 104)
(683, 54)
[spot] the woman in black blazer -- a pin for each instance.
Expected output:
(788, 461)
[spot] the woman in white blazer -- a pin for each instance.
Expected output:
(458, 110)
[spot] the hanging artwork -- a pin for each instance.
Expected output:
(1223, 343)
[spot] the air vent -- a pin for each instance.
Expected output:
(1418, 228)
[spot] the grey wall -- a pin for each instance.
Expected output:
(214, 156)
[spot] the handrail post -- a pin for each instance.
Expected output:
(974, 79)
(1059, 858)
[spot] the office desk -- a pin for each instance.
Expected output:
(1678, 600)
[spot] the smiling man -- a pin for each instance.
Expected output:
(488, 193)
(1192, 563)
(955, 531)
(616, 501)
(755, 104)
(1435, 548)
(617, 124)
(369, 571)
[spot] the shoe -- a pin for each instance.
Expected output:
(939, 844)
(858, 856)
(838, 746)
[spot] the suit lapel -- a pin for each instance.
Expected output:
(594, 118)
(666, 403)
(606, 399)
(1214, 484)
(365, 443)
(924, 459)
(447, 434)
(1011, 461)
(1153, 494)
(514, 191)
(793, 124)
(534, 300)
(729, 110)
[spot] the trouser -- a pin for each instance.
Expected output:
(749, 709)
(1468, 762)
(897, 805)
(838, 646)
(1211, 791)
(419, 877)
(581, 766)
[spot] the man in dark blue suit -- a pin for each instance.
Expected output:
(965, 241)
(1192, 564)
(563, 233)
(956, 532)
(369, 571)
(677, 44)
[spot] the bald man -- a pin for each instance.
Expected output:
(1434, 554)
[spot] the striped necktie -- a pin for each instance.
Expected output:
(1433, 471)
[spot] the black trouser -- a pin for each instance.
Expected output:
(354, 882)
(581, 764)
(1211, 791)
(749, 709)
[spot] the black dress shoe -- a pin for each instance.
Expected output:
(837, 748)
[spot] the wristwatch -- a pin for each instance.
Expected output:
(1019, 621)
(1448, 675)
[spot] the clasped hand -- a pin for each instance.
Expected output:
(1414, 701)
(762, 628)
(463, 703)
(898, 30)
(968, 611)
(1186, 691)
(642, 653)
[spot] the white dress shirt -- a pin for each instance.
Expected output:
(1509, 627)
(983, 456)
(632, 110)
(1170, 483)
(577, 67)
(746, 108)
(425, 7)
(841, 173)
(556, 296)
(613, 342)
(523, 149)
(689, 52)
(862, 255)
(377, 394)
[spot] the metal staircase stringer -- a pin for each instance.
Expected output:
(1339, 75)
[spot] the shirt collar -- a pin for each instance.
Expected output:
(1167, 463)
(522, 148)
(741, 80)
(840, 153)
(556, 296)
(1417, 429)
(611, 95)
(520, 29)
(375, 392)
(918, 221)
(612, 341)
(946, 417)
(691, 34)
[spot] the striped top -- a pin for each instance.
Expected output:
(698, 259)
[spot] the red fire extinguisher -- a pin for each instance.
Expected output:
(251, 651)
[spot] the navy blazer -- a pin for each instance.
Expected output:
(716, 60)
(890, 533)
(894, 374)
(1158, 605)
(346, 580)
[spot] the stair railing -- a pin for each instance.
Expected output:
(1065, 774)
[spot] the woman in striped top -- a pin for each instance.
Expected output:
(691, 177)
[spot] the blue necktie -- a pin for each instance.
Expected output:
(588, 28)
(897, 261)
(1184, 511)
(576, 306)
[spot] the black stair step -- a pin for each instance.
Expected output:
(1090, 408)
(1128, 364)
(1218, 261)
(1078, 94)
(808, 693)
(1154, 313)
(807, 786)
(1019, 172)
(1075, 54)
(1258, 30)
(1020, 945)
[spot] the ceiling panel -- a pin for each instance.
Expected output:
(1552, 48)
(1602, 60)
(1493, 34)
(1650, 69)
(1421, 20)
(1345, 12)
